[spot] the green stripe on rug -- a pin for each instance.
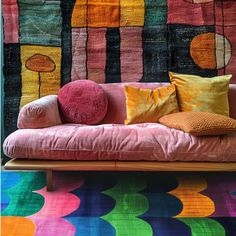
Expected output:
(129, 205)
(23, 201)
(204, 226)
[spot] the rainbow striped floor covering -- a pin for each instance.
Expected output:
(122, 204)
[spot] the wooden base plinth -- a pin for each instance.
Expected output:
(50, 166)
(49, 180)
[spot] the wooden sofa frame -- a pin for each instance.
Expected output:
(50, 166)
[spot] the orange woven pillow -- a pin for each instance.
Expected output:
(200, 123)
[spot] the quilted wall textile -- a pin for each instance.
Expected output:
(48, 43)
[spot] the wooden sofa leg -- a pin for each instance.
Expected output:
(49, 180)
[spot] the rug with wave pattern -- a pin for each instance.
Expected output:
(121, 204)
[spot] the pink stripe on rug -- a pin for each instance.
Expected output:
(79, 40)
(131, 54)
(52, 227)
(57, 204)
(11, 25)
(96, 51)
(60, 202)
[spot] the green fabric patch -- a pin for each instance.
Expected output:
(33, 29)
(23, 201)
(155, 12)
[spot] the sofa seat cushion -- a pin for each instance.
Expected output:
(147, 141)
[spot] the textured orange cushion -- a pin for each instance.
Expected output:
(196, 93)
(146, 105)
(200, 123)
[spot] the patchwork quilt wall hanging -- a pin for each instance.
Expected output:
(48, 43)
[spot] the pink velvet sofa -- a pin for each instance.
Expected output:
(44, 142)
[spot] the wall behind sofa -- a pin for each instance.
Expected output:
(48, 43)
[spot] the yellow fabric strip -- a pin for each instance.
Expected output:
(132, 12)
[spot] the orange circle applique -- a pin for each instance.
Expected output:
(210, 50)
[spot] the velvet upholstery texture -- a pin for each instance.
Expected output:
(112, 140)
(147, 105)
(40, 113)
(197, 93)
(147, 141)
(200, 123)
(82, 102)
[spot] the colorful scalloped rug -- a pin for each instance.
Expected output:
(122, 204)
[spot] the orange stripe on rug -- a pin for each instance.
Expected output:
(194, 203)
(14, 225)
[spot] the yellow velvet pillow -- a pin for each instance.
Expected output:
(146, 105)
(196, 93)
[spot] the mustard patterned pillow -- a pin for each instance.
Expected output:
(146, 105)
(196, 93)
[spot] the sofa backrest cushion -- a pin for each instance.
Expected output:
(116, 113)
(82, 102)
(232, 100)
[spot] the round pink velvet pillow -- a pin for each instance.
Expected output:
(82, 102)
